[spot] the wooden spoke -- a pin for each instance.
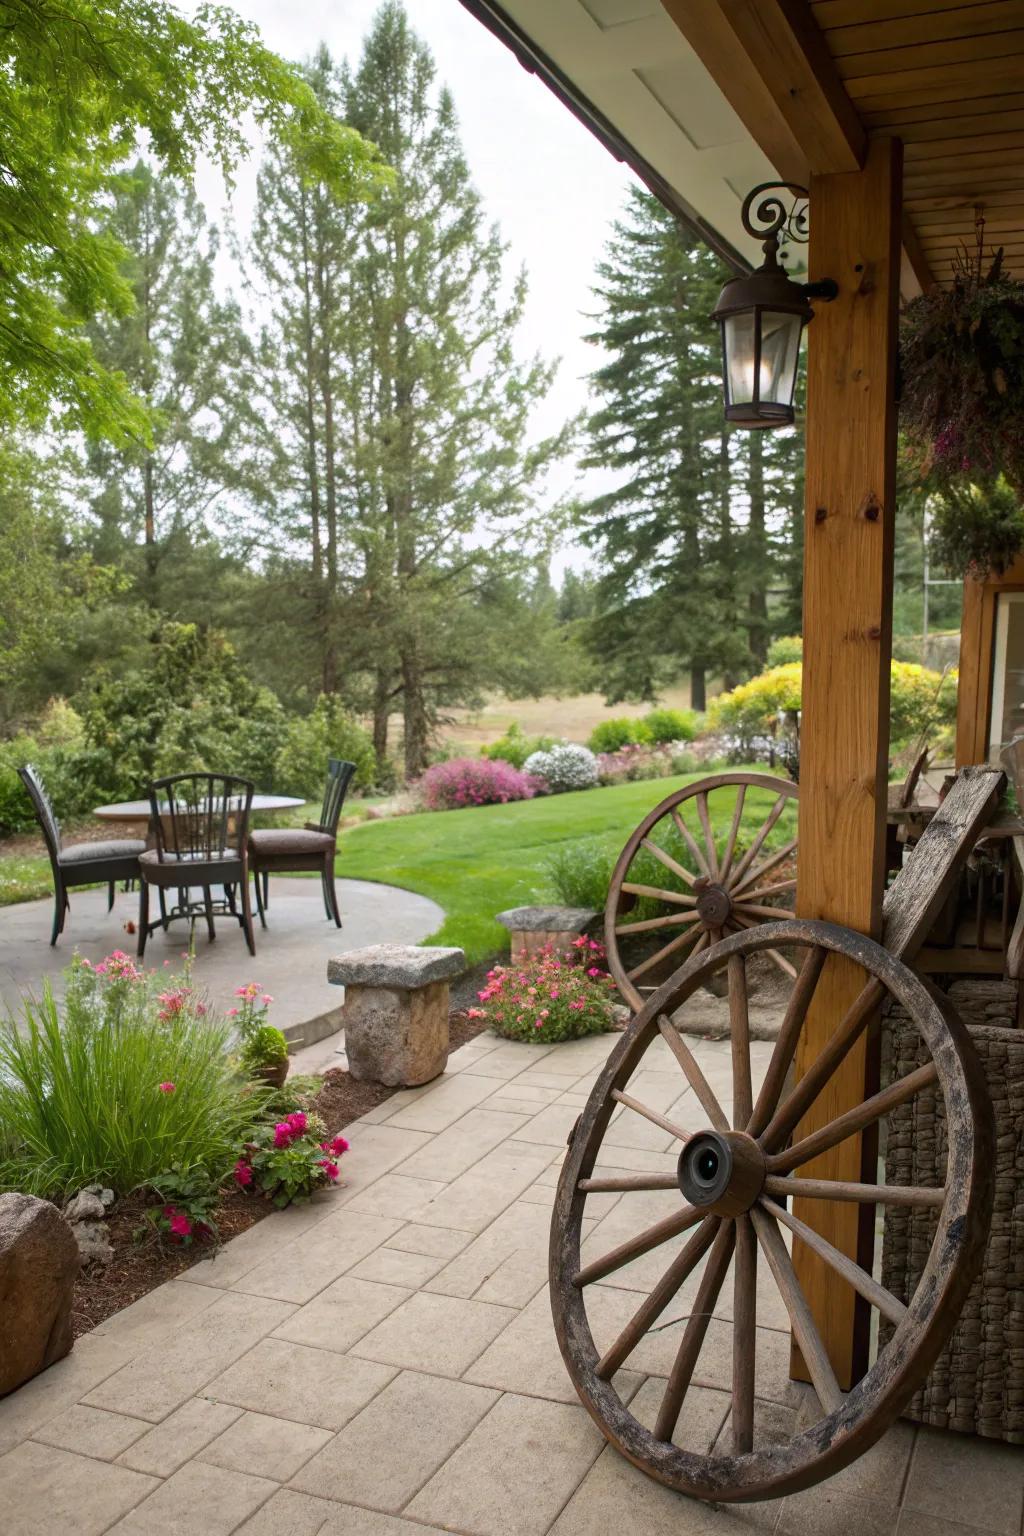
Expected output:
(651, 1114)
(786, 1044)
(661, 1232)
(696, 1328)
(709, 836)
(606, 1185)
(742, 921)
(785, 966)
(734, 827)
(853, 1022)
(691, 843)
(756, 846)
(668, 861)
(754, 875)
(862, 1282)
(766, 914)
(819, 1366)
(669, 949)
(682, 1265)
(694, 1076)
(651, 924)
(676, 898)
(790, 1188)
(773, 890)
(744, 1343)
(739, 1030)
(854, 1120)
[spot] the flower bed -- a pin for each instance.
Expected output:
(550, 997)
(467, 781)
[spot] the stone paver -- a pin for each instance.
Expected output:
(382, 1361)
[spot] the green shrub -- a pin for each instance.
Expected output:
(785, 649)
(126, 1079)
(327, 731)
(610, 735)
(668, 725)
(189, 705)
(514, 747)
(266, 1047)
(579, 874)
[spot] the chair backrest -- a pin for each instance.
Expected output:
(339, 777)
(200, 815)
(33, 782)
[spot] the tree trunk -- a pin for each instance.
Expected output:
(150, 519)
(414, 715)
(381, 712)
(698, 688)
(329, 645)
(757, 602)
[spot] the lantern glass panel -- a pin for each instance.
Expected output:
(780, 349)
(738, 344)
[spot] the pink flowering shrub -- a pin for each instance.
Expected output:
(549, 997)
(473, 781)
(291, 1159)
(183, 1215)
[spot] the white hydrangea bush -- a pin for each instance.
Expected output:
(564, 767)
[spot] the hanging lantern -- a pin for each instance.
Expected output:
(763, 314)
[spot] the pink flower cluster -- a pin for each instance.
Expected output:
(290, 1129)
(175, 1001)
(334, 1148)
(118, 966)
(469, 781)
(637, 760)
(548, 997)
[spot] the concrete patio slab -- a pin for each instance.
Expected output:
(292, 953)
(345, 1369)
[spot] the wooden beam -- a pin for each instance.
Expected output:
(771, 62)
(915, 268)
(848, 580)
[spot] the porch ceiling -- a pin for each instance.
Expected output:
(707, 97)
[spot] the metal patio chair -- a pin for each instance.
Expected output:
(294, 850)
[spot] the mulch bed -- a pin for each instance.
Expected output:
(139, 1267)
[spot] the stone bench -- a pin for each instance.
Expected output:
(531, 928)
(396, 1011)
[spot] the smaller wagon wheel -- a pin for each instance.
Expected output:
(651, 1291)
(712, 885)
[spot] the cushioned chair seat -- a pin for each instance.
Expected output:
(152, 860)
(113, 848)
(284, 841)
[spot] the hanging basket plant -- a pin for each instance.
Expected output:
(962, 406)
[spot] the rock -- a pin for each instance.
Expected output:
(395, 965)
(546, 919)
(106, 1195)
(85, 1206)
(93, 1240)
(395, 1036)
(38, 1264)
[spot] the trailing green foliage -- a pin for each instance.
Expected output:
(974, 529)
(123, 1080)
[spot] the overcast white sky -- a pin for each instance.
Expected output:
(550, 186)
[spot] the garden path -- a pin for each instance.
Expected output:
(381, 1362)
(291, 954)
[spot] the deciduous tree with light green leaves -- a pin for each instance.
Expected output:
(81, 83)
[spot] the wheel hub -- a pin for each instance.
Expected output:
(722, 1172)
(713, 904)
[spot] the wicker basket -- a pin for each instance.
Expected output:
(977, 1384)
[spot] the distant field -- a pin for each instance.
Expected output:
(574, 718)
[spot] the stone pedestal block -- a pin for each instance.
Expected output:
(38, 1265)
(396, 1011)
(532, 928)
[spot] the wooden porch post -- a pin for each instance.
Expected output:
(848, 577)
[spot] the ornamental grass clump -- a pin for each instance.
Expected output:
(126, 1078)
(469, 781)
(549, 997)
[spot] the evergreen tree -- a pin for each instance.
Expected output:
(689, 536)
(185, 355)
(408, 476)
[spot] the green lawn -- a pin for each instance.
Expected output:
(477, 862)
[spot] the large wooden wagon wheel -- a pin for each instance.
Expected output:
(712, 885)
(726, 1180)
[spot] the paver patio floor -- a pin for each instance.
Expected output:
(382, 1361)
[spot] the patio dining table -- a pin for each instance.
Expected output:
(138, 811)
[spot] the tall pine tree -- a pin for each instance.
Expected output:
(690, 534)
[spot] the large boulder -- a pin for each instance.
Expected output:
(38, 1264)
